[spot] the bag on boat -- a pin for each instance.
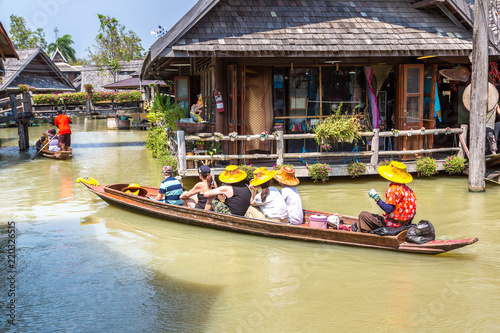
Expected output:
(421, 233)
(220, 207)
(390, 231)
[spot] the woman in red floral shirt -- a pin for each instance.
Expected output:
(400, 205)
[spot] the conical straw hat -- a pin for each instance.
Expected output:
(286, 175)
(492, 96)
(262, 175)
(395, 172)
(232, 175)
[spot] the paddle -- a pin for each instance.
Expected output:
(45, 146)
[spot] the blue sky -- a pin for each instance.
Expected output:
(78, 18)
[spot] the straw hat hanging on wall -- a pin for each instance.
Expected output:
(492, 96)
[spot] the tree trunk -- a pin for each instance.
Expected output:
(479, 98)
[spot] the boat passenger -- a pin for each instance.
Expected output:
(268, 204)
(401, 203)
(135, 189)
(286, 178)
(54, 144)
(234, 189)
(205, 184)
(170, 188)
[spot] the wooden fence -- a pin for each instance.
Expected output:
(281, 155)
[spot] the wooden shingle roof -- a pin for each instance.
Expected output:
(299, 28)
(6, 47)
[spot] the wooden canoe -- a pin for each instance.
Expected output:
(113, 195)
(58, 155)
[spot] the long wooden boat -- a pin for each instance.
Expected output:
(113, 195)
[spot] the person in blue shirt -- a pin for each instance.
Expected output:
(170, 189)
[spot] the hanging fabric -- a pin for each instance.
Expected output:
(372, 98)
(437, 106)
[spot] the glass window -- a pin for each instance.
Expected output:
(413, 108)
(413, 81)
(344, 88)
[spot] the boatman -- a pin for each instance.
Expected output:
(170, 189)
(401, 203)
(62, 121)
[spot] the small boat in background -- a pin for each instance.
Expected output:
(57, 155)
(114, 195)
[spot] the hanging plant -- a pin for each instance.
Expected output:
(454, 165)
(218, 136)
(356, 169)
(233, 135)
(338, 128)
(426, 166)
(319, 171)
(248, 169)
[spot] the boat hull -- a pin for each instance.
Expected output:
(113, 195)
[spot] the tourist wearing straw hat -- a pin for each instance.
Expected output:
(234, 189)
(400, 205)
(286, 178)
(269, 200)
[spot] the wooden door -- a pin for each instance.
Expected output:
(410, 105)
(236, 93)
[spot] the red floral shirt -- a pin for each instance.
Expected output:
(405, 204)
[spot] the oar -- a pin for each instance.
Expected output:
(45, 146)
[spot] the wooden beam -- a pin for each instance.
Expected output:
(426, 3)
(450, 15)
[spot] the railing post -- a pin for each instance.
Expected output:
(375, 146)
(181, 150)
(462, 147)
(280, 143)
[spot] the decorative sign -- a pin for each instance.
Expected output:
(218, 101)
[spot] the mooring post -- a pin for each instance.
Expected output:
(479, 97)
(181, 150)
(375, 146)
(280, 143)
(23, 120)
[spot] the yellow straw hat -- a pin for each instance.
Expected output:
(395, 172)
(262, 175)
(232, 175)
(136, 189)
(286, 175)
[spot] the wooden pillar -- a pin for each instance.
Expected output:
(479, 97)
(280, 144)
(220, 118)
(23, 120)
(181, 149)
(463, 140)
(87, 104)
(375, 146)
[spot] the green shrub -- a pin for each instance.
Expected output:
(356, 169)
(384, 162)
(426, 166)
(454, 165)
(248, 169)
(319, 171)
(279, 166)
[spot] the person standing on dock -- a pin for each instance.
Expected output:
(62, 121)
(400, 206)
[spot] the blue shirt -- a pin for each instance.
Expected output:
(172, 189)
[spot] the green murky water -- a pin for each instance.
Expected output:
(82, 265)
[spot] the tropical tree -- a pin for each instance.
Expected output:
(114, 45)
(64, 45)
(23, 37)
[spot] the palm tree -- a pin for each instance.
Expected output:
(64, 46)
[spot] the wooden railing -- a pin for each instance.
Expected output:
(280, 155)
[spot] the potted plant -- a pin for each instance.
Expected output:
(409, 133)
(200, 145)
(279, 166)
(422, 131)
(447, 131)
(356, 169)
(218, 136)
(338, 128)
(426, 166)
(454, 165)
(384, 162)
(248, 138)
(319, 171)
(263, 136)
(233, 135)
(276, 135)
(395, 132)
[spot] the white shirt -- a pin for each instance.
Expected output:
(274, 207)
(293, 204)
